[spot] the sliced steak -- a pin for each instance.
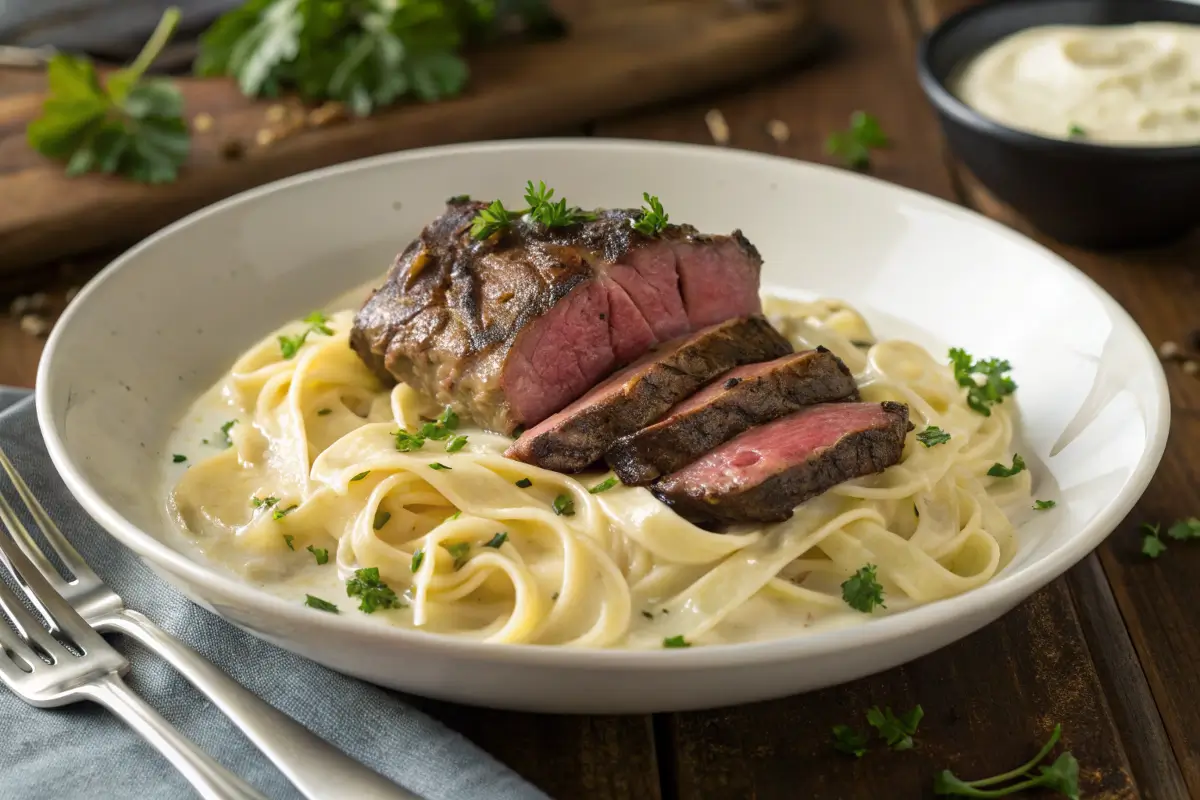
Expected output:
(763, 474)
(733, 403)
(511, 329)
(578, 435)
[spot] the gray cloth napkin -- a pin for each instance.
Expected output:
(82, 751)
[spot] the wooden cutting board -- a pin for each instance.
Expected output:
(618, 55)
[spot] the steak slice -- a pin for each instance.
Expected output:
(511, 329)
(578, 435)
(733, 403)
(763, 474)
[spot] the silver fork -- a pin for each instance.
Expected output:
(43, 672)
(315, 767)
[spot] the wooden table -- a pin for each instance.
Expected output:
(1111, 651)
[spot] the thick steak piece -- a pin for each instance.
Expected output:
(735, 402)
(511, 329)
(642, 392)
(763, 474)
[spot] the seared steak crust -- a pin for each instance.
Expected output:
(510, 329)
(735, 402)
(578, 435)
(741, 483)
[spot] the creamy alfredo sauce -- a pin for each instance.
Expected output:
(1128, 85)
(475, 548)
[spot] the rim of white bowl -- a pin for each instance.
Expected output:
(1002, 592)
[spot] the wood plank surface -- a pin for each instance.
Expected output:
(621, 56)
(1156, 599)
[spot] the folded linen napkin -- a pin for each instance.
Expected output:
(82, 751)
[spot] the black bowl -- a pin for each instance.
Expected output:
(1094, 195)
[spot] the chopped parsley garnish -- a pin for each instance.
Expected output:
(317, 323)
(321, 412)
(458, 551)
(373, 593)
(1043, 505)
(1152, 543)
(289, 540)
(497, 540)
(996, 384)
(603, 486)
(849, 741)
(438, 465)
(653, 218)
(933, 435)
(854, 145)
(225, 440)
(319, 553)
(417, 559)
(127, 125)
(263, 502)
(178, 458)
(360, 475)
(456, 444)
(319, 604)
(407, 442)
(381, 518)
(897, 731)
(1185, 529)
(524, 483)
(441, 428)
(280, 513)
(1061, 776)
(1001, 471)
(676, 641)
(564, 505)
(1076, 131)
(862, 591)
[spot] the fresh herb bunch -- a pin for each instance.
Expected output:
(365, 53)
(126, 126)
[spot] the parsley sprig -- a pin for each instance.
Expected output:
(542, 209)
(862, 591)
(855, 144)
(653, 218)
(1061, 776)
(317, 323)
(126, 126)
(986, 381)
(1000, 471)
(933, 435)
(897, 731)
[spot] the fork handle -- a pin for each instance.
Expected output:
(211, 780)
(316, 768)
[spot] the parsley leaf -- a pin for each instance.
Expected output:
(178, 458)
(524, 483)
(381, 519)
(360, 475)
(324, 412)
(130, 126)
(676, 641)
(417, 559)
(897, 731)
(458, 551)
(603, 486)
(849, 741)
(373, 593)
(407, 442)
(1043, 505)
(491, 220)
(226, 441)
(1185, 529)
(854, 145)
(553, 215)
(653, 218)
(564, 505)
(497, 540)
(319, 604)
(438, 465)
(1001, 471)
(290, 345)
(456, 444)
(933, 435)
(1152, 543)
(862, 591)
(289, 540)
(1076, 131)
(996, 384)
(319, 553)
(280, 513)
(1061, 776)
(263, 502)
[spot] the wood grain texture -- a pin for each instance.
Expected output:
(989, 700)
(1156, 599)
(617, 57)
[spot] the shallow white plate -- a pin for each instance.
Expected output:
(166, 319)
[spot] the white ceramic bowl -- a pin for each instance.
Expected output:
(166, 319)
